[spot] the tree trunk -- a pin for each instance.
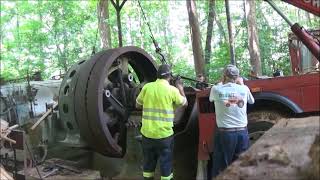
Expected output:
(231, 40)
(221, 29)
(118, 8)
(253, 39)
(307, 14)
(65, 42)
(41, 46)
(207, 51)
(131, 37)
(18, 62)
(103, 20)
(119, 29)
(195, 37)
(299, 15)
(168, 43)
(141, 33)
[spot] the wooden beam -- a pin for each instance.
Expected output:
(43, 116)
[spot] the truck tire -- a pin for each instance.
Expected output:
(260, 121)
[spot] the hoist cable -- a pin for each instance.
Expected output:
(158, 49)
(95, 41)
(94, 45)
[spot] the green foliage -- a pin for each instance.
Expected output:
(221, 58)
(49, 36)
(273, 42)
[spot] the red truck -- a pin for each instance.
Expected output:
(276, 97)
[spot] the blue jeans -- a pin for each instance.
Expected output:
(154, 149)
(228, 145)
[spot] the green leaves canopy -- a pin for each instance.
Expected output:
(49, 36)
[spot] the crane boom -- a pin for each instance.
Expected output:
(312, 6)
(307, 39)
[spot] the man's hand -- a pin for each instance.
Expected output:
(180, 88)
(178, 81)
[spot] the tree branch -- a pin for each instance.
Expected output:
(114, 4)
(123, 2)
(238, 29)
(220, 28)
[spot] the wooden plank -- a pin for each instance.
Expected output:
(7, 139)
(65, 170)
(43, 116)
(4, 175)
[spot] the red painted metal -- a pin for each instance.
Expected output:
(207, 124)
(294, 88)
(297, 53)
(312, 6)
(307, 39)
(294, 54)
(303, 90)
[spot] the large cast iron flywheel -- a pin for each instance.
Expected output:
(104, 95)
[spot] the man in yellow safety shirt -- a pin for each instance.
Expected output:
(159, 100)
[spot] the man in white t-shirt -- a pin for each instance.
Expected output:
(231, 138)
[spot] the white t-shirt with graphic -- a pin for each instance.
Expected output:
(230, 102)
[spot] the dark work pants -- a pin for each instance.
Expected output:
(154, 149)
(228, 145)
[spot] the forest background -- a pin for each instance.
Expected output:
(50, 36)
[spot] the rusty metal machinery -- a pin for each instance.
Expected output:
(66, 107)
(97, 118)
(97, 96)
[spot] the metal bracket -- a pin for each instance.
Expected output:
(115, 103)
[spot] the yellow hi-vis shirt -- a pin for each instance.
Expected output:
(159, 99)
